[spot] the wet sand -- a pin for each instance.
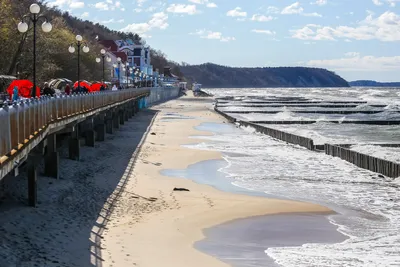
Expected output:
(242, 242)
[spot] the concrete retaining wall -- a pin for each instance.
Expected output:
(161, 94)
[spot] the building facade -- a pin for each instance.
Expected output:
(133, 55)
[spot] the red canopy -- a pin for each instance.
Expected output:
(82, 84)
(24, 88)
(96, 86)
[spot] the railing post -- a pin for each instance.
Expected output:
(5, 133)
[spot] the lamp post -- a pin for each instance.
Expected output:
(131, 72)
(124, 70)
(127, 69)
(23, 27)
(98, 60)
(119, 70)
(135, 74)
(85, 49)
(104, 57)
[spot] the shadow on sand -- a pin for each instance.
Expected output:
(73, 212)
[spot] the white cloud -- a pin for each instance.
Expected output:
(320, 2)
(261, 18)
(294, 8)
(85, 15)
(377, 2)
(355, 62)
(101, 6)
(237, 12)
(182, 9)
(109, 5)
(267, 32)
(140, 2)
(204, 2)
(72, 4)
(273, 10)
(158, 21)
(314, 14)
(385, 28)
(213, 35)
(352, 54)
(75, 5)
(112, 21)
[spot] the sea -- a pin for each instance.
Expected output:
(367, 205)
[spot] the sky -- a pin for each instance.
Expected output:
(358, 39)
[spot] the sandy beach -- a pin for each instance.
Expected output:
(152, 225)
(114, 208)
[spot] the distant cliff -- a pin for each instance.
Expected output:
(374, 84)
(212, 75)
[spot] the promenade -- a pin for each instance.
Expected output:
(32, 129)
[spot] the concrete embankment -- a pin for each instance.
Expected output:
(30, 129)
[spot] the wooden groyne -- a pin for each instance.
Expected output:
(298, 105)
(371, 122)
(385, 167)
(344, 112)
(293, 102)
(281, 135)
(223, 114)
(277, 134)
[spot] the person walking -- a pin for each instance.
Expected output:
(15, 95)
(47, 90)
(67, 89)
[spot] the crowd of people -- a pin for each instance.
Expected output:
(67, 89)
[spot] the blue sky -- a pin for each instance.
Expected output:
(358, 39)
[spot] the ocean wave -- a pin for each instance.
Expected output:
(368, 206)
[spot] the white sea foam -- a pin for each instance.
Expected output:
(369, 205)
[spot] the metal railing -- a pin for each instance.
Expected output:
(23, 120)
(158, 94)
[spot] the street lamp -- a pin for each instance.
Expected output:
(105, 57)
(127, 73)
(85, 49)
(130, 73)
(23, 27)
(127, 69)
(124, 69)
(119, 66)
(135, 74)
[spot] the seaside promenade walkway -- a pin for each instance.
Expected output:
(31, 129)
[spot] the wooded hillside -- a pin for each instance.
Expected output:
(212, 75)
(53, 58)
